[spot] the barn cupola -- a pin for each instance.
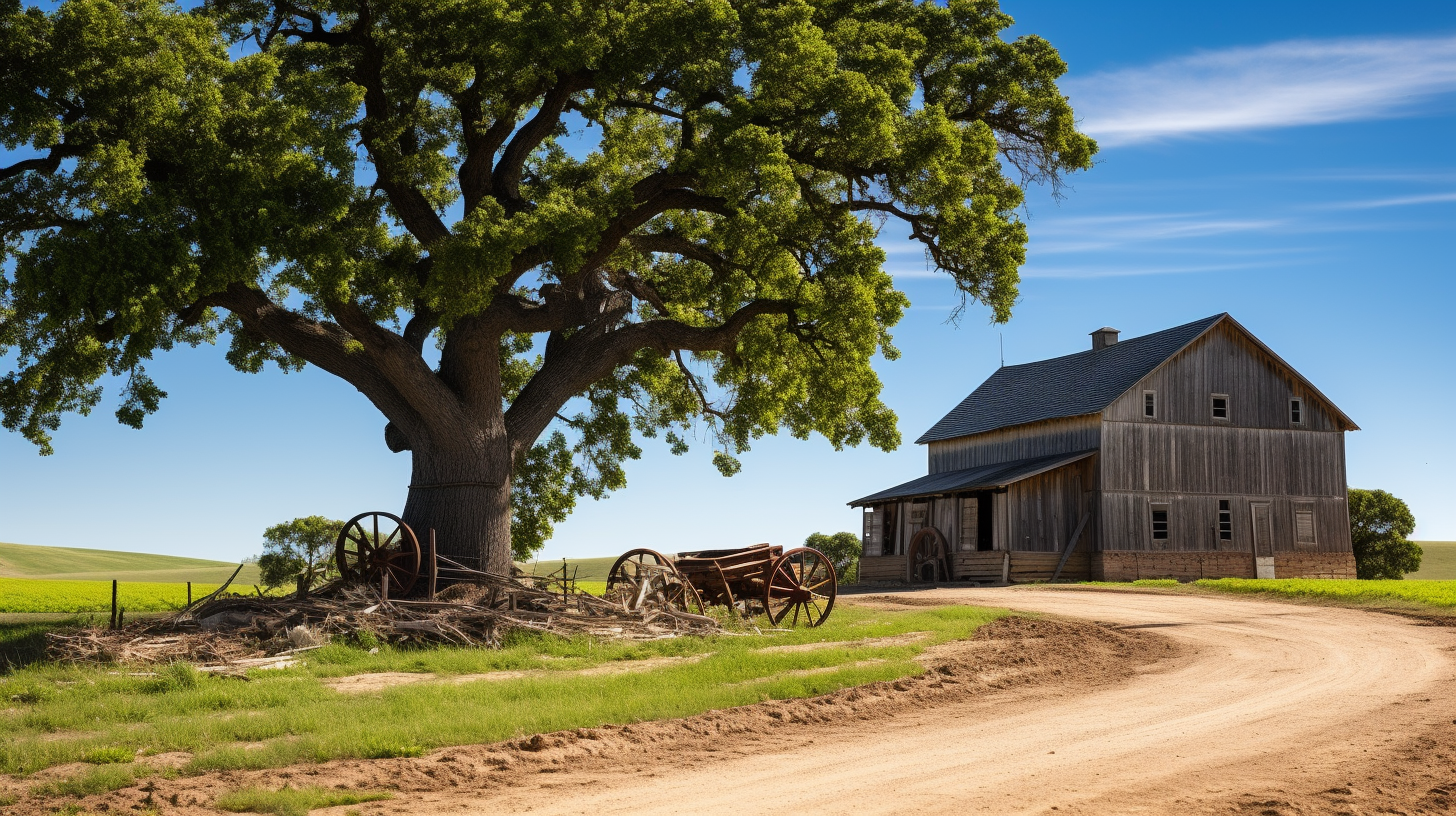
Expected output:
(1103, 337)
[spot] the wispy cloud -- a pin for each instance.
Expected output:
(1399, 201)
(1301, 82)
(1103, 232)
(1135, 270)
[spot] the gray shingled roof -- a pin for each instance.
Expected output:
(986, 477)
(1082, 383)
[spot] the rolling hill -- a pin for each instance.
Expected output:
(77, 564)
(1438, 561)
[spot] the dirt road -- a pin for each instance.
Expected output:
(1274, 708)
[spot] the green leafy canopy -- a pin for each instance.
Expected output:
(1380, 529)
(528, 232)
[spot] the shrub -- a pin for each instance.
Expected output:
(298, 551)
(843, 550)
(1380, 526)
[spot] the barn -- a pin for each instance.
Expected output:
(1193, 452)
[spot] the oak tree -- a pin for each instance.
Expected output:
(530, 233)
(1380, 529)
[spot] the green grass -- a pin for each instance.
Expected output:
(292, 801)
(1437, 594)
(281, 717)
(34, 595)
(102, 779)
(77, 564)
(1438, 561)
(587, 569)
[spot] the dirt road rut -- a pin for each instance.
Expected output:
(1272, 703)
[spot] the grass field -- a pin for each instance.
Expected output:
(36, 595)
(69, 714)
(76, 564)
(1438, 561)
(1404, 595)
(587, 569)
(1438, 594)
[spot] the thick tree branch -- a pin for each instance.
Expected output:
(506, 179)
(579, 361)
(49, 163)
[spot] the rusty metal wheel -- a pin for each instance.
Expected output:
(371, 544)
(801, 586)
(644, 577)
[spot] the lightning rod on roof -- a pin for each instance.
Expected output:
(1002, 338)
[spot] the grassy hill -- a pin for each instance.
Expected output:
(76, 564)
(1438, 561)
(587, 569)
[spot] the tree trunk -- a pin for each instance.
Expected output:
(466, 500)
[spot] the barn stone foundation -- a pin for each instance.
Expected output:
(1132, 565)
(1314, 565)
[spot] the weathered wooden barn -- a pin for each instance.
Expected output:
(1193, 452)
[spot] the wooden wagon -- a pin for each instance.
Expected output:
(793, 587)
(788, 587)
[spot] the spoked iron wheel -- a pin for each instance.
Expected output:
(644, 577)
(374, 543)
(801, 588)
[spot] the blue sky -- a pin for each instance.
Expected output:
(1290, 163)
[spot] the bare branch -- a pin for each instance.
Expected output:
(697, 387)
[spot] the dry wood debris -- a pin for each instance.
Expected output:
(232, 632)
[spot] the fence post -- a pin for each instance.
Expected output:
(434, 568)
(189, 594)
(113, 603)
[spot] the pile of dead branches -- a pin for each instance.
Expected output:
(233, 630)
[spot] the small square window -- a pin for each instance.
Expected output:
(1220, 406)
(1225, 521)
(1160, 522)
(1150, 404)
(1296, 411)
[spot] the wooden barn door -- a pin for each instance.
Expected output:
(1263, 540)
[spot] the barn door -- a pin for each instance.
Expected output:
(1263, 540)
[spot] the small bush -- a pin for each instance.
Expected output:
(178, 677)
(390, 750)
(843, 550)
(110, 755)
(292, 801)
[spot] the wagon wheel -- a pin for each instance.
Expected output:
(800, 586)
(929, 556)
(372, 543)
(643, 575)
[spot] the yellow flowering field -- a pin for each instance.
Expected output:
(39, 595)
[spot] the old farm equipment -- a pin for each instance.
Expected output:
(793, 587)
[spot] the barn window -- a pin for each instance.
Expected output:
(1225, 521)
(1150, 403)
(1296, 411)
(874, 537)
(1304, 524)
(1160, 522)
(1220, 406)
(970, 522)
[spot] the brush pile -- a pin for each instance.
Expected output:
(230, 632)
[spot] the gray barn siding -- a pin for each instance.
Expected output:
(1045, 509)
(1141, 456)
(1223, 362)
(1126, 522)
(1021, 442)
